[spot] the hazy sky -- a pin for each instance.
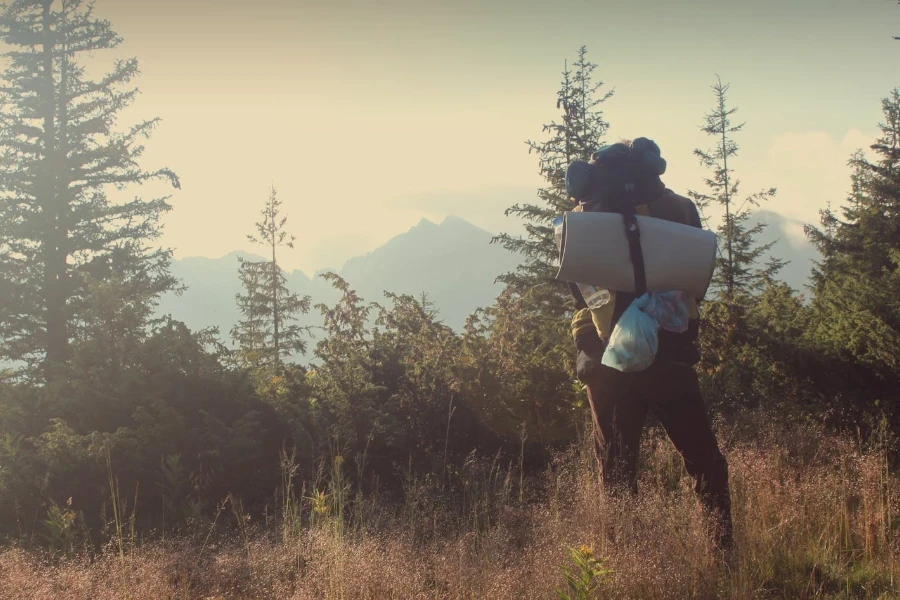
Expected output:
(368, 116)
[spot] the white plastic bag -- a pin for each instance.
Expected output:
(635, 340)
(633, 343)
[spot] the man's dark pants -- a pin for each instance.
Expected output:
(620, 403)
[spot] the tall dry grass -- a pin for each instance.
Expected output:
(815, 517)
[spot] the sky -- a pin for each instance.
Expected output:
(369, 116)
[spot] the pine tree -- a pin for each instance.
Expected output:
(528, 328)
(575, 136)
(269, 308)
(737, 273)
(60, 155)
(252, 331)
(866, 238)
(856, 285)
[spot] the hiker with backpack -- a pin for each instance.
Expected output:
(624, 178)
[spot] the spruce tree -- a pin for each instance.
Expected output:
(61, 153)
(528, 327)
(269, 308)
(855, 285)
(252, 331)
(578, 132)
(738, 273)
(729, 338)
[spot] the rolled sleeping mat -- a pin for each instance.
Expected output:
(594, 250)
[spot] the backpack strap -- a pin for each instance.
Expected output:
(633, 234)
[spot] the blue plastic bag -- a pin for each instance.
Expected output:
(633, 343)
(635, 340)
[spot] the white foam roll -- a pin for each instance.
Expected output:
(594, 250)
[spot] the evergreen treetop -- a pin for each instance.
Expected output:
(578, 132)
(61, 154)
(737, 273)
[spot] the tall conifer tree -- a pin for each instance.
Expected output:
(269, 329)
(738, 271)
(252, 330)
(579, 131)
(856, 285)
(528, 327)
(61, 153)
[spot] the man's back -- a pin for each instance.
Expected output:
(671, 207)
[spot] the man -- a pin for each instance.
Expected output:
(625, 178)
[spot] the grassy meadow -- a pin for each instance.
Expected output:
(816, 516)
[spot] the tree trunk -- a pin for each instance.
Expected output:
(275, 315)
(53, 244)
(728, 221)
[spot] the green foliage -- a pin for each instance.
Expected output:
(174, 398)
(736, 272)
(62, 237)
(584, 575)
(180, 504)
(743, 348)
(856, 285)
(389, 392)
(529, 341)
(575, 136)
(254, 328)
(765, 362)
(517, 364)
(834, 357)
(59, 526)
(267, 333)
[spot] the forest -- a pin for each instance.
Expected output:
(387, 455)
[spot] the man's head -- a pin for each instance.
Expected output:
(625, 171)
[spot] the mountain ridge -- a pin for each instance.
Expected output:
(452, 262)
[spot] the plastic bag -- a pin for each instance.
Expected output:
(633, 343)
(670, 310)
(635, 340)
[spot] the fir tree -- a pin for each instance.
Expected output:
(578, 132)
(865, 240)
(252, 331)
(737, 272)
(528, 328)
(60, 155)
(269, 308)
(856, 284)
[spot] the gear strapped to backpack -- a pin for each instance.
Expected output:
(626, 180)
(618, 179)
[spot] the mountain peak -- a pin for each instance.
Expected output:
(453, 220)
(424, 224)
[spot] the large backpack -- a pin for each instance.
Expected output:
(619, 178)
(626, 180)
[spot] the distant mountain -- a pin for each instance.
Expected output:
(209, 299)
(453, 263)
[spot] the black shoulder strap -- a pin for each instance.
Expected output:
(633, 233)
